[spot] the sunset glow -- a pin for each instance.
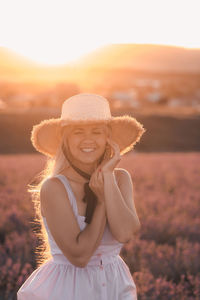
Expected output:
(56, 32)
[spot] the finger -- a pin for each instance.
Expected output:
(117, 156)
(93, 180)
(93, 176)
(98, 169)
(116, 151)
(114, 145)
(97, 173)
(100, 175)
(97, 180)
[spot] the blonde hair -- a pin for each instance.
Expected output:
(53, 167)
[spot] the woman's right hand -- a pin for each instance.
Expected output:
(97, 185)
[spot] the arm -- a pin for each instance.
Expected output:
(90, 237)
(78, 246)
(97, 185)
(120, 208)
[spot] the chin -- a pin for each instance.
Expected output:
(89, 160)
(86, 158)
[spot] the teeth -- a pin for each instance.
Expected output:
(87, 150)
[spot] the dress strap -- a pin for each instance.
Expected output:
(68, 188)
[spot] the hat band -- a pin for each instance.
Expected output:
(71, 120)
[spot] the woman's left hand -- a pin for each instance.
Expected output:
(108, 165)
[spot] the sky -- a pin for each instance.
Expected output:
(60, 31)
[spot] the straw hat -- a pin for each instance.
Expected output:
(85, 109)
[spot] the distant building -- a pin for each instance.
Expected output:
(154, 96)
(174, 102)
(144, 82)
(125, 98)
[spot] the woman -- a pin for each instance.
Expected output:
(86, 203)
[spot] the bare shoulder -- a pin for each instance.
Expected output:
(51, 184)
(52, 192)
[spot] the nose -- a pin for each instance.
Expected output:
(88, 140)
(88, 136)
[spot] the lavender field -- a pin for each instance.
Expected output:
(163, 257)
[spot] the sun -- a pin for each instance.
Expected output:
(52, 54)
(61, 31)
(48, 32)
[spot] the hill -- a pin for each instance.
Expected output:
(144, 57)
(15, 67)
(140, 57)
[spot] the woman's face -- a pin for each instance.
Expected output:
(87, 142)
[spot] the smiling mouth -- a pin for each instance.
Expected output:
(87, 150)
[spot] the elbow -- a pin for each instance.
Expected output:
(82, 263)
(79, 262)
(82, 260)
(125, 238)
(136, 228)
(79, 257)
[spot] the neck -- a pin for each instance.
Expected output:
(74, 176)
(89, 168)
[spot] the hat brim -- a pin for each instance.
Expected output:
(126, 132)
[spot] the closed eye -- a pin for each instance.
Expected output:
(77, 132)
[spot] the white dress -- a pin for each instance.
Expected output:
(106, 276)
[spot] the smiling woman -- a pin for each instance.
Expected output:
(85, 203)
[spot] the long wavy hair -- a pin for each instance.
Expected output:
(53, 167)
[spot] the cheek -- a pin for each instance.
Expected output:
(102, 141)
(72, 142)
